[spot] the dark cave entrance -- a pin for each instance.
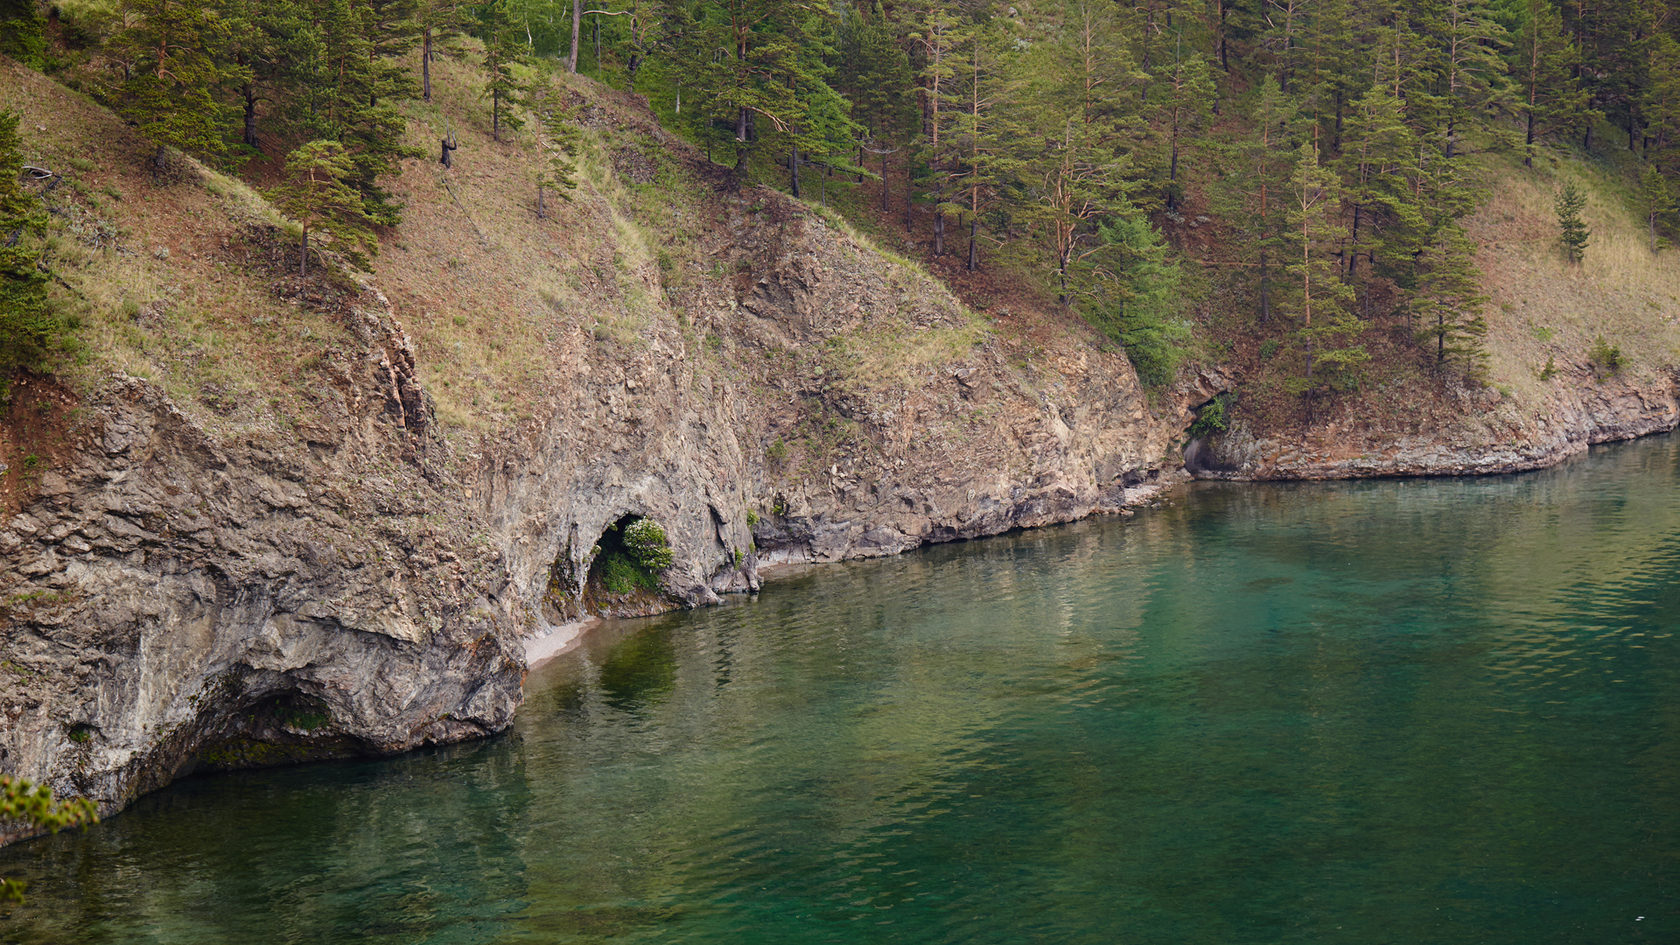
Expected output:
(624, 566)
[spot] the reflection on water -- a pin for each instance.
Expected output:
(1409, 711)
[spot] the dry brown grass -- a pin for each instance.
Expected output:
(496, 298)
(506, 311)
(1543, 307)
(169, 277)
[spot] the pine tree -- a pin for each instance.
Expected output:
(1267, 159)
(393, 31)
(439, 21)
(1469, 75)
(756, 57)
(1283, 22)
(33, 333)
(939, 42)
(1614, 38)
(503, 54)
(1572, 230)
(170, 50)
(1548, 68)
(1186, 80)
(1081, 98)
(981, 136)
(1662, 105)
(1379, 164)
(559, 139)
(876, 78)
(1327, 330)
(818, 126)
(317, 194)
(1447, 301)
(1337, 63)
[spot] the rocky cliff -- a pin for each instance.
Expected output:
(314, 551)
(1475, 432)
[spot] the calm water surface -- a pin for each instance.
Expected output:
(1409, 712)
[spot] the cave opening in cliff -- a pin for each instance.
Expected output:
(282, 727)
(624, 565)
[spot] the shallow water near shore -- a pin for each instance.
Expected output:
(1392, 711)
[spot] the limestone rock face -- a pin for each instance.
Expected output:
(173, 596)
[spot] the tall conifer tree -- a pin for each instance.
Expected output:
(1320, 299)
(171, 50)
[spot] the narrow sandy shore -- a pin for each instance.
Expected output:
(558, 639)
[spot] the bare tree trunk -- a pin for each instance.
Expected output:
(303, 256)
(250, 135)
(542, 211)
(909, 194)
(938, 230)
(577, 17)
(1336, 144)
(741, 134)
(1353, 254)
(793, 170)
(974, 244)
(1172, 173)
(884, 203)
(426, 65)
(1224, 45)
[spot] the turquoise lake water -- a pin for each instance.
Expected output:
(1440, 711)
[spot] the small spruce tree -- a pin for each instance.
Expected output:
(1572, 230)
(1142, 307)
(1658, 200)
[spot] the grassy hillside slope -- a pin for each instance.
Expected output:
(1543, 307)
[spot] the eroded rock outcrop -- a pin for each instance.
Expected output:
(172, 599)
(176, 597)
(1479, 432)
